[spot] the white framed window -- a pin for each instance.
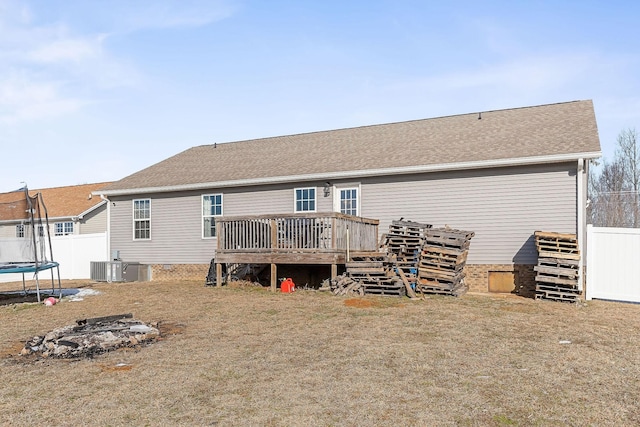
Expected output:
(63, 228)
(211, 208)
(41, 230)
(349, 201)
(346, 198)
(142, 219)
(305, 199)
(20, 230)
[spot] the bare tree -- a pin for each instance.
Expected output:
(614, 191)
(628, 152)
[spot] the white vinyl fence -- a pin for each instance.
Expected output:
(613, 263)
(74, 253)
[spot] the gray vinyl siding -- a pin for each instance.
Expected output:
(176, 221)
(94, 222)
(503, 206)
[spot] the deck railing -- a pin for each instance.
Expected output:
(308, 232)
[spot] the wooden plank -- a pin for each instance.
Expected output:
(282, 258)
(274, 277)
(556, 280)
(557, 288)
(546, 254)
(450, 233)
(559, 262)
(440, 264)
(410, 224)
(433, 273)
(366, 270)
(438, 281)
(556, 248)
(553, 235)
(440, 290)
(556, 271)
(557, 296)
(218, 274)
(407, 285)
(364, 264)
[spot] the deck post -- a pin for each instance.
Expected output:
(274, 277)
(334, 271)
(218, 274)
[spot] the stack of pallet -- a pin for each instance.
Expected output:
(374, 274)
(403, 244)
(442, 260)
(558, 267)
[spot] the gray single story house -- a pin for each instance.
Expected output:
(503, 174)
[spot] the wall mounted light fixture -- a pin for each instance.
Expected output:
(327, 189)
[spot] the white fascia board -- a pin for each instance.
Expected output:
(92, 208)
(28, 220)
(62, 218)
(403, 170)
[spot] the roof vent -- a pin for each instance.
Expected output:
(479, 116)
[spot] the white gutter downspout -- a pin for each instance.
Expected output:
(581, 207)
(108, 226)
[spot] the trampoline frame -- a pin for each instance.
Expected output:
(39, 264)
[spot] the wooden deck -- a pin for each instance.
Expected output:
(308, 238)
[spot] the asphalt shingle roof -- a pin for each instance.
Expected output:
(546, 130)
(61, 202)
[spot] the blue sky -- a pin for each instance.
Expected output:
(93, 91)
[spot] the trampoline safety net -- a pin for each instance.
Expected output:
(29, 249)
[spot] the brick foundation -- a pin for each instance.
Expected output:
(179, 271)
(477, 277)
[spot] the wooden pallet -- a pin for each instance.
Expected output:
(562, 255)
(561, 239)
(441, 281)
(559, 263)
(557, 288)
(448, 234)
(440, 290)
(441, 263)
(557, 245)
(447, 254)
(395, 289)
(408, 227)
(555, 295)
(440, 274)
(544, 270)
(556, 280)
(443, 242)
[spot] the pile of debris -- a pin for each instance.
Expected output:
(558, 266)
(442, 261)
(89, 337)
(414, 257)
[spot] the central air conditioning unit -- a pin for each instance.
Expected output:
(107, 271)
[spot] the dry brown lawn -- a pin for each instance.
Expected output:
(246, 356)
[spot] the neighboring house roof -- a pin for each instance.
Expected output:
(61, 202)
(546, 133)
